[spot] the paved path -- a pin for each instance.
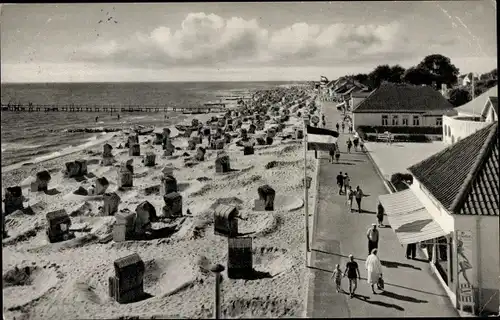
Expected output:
(411, 289)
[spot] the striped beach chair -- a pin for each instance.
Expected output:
(466, 297)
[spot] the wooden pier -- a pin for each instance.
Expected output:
(206, 108)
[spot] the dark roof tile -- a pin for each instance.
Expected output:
(404, 97)
(464, 177)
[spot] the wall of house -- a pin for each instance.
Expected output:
(438, 213)
(355, 100)
(491, 116)
(484, 248)
(429, 121)
(460, 128)
(485, 258)
(375, 119)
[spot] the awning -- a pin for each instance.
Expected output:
(409, 218)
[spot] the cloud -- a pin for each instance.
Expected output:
(210, 40)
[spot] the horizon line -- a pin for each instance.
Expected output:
(153, 81)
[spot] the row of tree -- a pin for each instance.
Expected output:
(434, 70)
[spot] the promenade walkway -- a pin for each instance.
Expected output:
(411, 290)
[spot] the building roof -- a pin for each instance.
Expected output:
(494, 103)
(330, 84)
(464, 177)
(342, 89)
(350, 90)
(361, 94)
(476, 106)
(403, 97)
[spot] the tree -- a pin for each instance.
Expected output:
(492, 75)
(379, 74)
(459, 96)
(362, 78)
(440, 68)
(385, 73)
(417, 76)
(397, 73)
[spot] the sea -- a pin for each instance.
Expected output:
(30, 136)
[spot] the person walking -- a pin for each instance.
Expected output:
(337, 126)
(350, 128)
(380, 215)
(343, 126)
(411, 250)
(372, 236)
(350, 198)
(340, 182)
(356, 143)
(361, 146)
(374, 268)
(337, 276)
(331, 152)
(349, 145)
(337, 155)
(359, 195)
(352, 272)
(347, 181)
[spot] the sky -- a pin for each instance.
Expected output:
(227, 41)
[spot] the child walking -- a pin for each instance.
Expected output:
(337, 276)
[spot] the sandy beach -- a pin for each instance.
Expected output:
(69, 279)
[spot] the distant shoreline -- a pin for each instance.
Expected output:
(166, 81)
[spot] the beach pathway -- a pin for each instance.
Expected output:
(410, 290)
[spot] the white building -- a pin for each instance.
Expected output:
(452, 211)
(402, 105)
(472, 116)
(466, 79)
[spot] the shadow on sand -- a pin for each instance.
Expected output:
(251, 275)
(52, 192)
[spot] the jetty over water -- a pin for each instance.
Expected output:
(205, 108)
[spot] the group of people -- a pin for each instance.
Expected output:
(373, 267)
(356, 142)
(344, 184)
(343, 125)
(373, 264)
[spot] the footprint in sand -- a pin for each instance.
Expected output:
(24, 284)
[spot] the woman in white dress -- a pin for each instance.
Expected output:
(374, 268)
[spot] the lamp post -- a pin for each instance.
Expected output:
(217, 269)
(307, 182)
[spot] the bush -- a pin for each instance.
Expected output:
(361, 133)
(402, 130)
(411, 138)
(402, 180)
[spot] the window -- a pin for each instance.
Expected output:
(405, 120)
(385, 120)
(416, 121)
(395, 121)
(439, 121)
